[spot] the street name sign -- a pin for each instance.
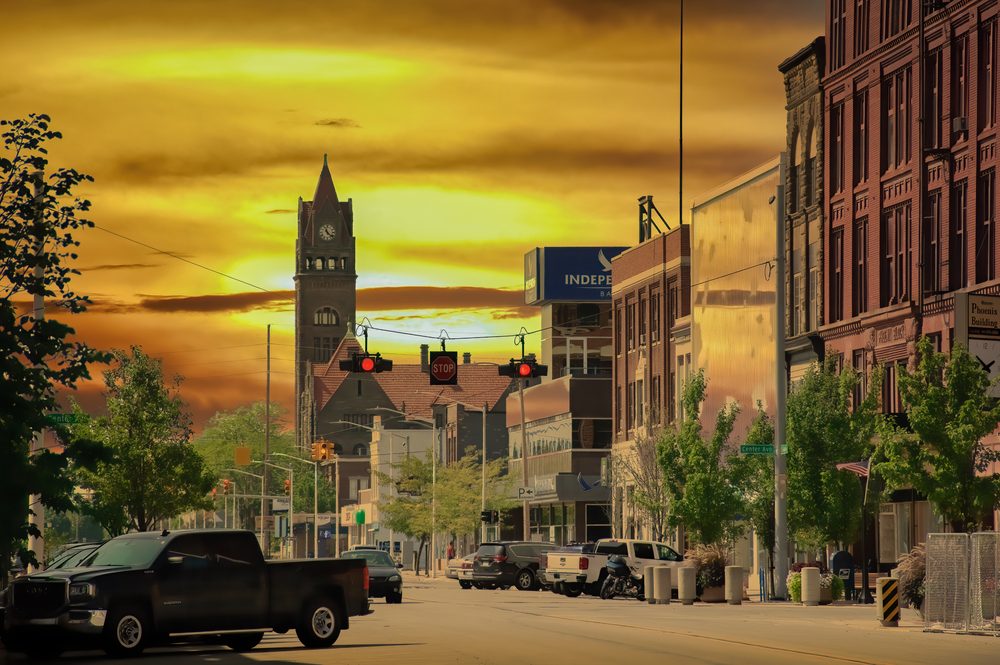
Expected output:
(63, 418)
(766, 449)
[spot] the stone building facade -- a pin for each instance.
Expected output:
(804, 226)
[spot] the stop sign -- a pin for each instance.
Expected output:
(444, 368)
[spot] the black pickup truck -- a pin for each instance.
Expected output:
(150, 588)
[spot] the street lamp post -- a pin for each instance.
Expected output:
(337, 471)
(434, 456)
(262, 520)
(291, 491)
(484, 408)
(315, 464)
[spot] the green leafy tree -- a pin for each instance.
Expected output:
(943, 458)
(754, 475)
(460, 492)
(36, 360)
(156, 473)
(410, 512)
(700, 491)
(824, 429)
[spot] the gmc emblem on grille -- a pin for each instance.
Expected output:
(34, 590)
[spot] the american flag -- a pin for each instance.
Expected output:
(860, 469)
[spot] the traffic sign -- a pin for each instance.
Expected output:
(64, 418)
(765, 449)
(444, 368)
(524, 493)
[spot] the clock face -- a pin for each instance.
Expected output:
(327, 232)
(987, 352)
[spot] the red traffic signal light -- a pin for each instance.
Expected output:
(525, 368)
(362, 363)
(225, 487)
(215, 493)
(288, 487)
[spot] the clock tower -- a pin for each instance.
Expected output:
(325, 280)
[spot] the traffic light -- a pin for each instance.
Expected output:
(525, 368)
(485, 516)
(363, 363)
(215, 492)
(288, 488)
(496, 517)
(225, 487)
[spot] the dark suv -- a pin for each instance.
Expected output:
(506, 564)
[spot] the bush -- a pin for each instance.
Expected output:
(912, 571)
(710, 562)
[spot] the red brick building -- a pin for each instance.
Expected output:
(909, 178)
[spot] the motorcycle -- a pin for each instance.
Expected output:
(621, 582)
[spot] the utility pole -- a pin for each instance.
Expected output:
(485, 406)
(265, 535)
(780, 389)
(524, 463)
(37, 516)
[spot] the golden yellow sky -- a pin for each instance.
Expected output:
(465, 132)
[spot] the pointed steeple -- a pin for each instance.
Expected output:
(325, 190)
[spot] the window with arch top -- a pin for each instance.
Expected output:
(361, 449)
(326, 317)
(332, 263)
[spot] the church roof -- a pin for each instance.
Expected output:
(408, 386)
(325, 191)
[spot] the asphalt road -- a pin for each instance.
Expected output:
(440, 623)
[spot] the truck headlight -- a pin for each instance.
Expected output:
(82, 590)
(394, 578)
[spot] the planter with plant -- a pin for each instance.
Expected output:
(912, 568)
(831, 587)
(710, 562)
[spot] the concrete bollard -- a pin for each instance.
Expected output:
(686, 588)
(648, 584)
(734, 585)
(810, 586)
(662, 585)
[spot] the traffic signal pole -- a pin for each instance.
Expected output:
(524, 461)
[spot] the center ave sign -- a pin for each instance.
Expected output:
(444, 368)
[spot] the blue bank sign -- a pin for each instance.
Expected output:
(574, 274)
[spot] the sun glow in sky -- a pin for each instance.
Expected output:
(466, 133)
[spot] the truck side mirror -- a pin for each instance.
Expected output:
(175, 560)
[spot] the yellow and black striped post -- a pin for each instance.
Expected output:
(887, 601)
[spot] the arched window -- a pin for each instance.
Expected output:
(320, 264)
(338, 449)
(326, 317)
(332, 263)
(361, 449)
(343, 263)
(309, 264)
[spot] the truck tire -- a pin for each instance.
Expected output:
(319, 624)
(127, 631)
(573, 590)
(525, 580)
(243, 641)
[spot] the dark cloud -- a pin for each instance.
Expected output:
(213, 161)
(120, 266)
(338, 122)
(431, 297)
(278, 212)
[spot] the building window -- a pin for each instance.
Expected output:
(837, 274)
(640, 403)
(629, 405)
(618, 330)
(309, 264)
(896, 89)
(985, 234)
(837, 149)
(861, 14)
(642, 322)
(960, 81)
(673, 305)
(813, 299)
(318, 350)
(932, 125)
(672, 398)
(891, 403)
(326, 317)
(359, 418)
(858, 363)
(797, 305)
(987, 84)
(361, 449)
(932, 243)
(859, 278)
(654, 316)
(332, 262)
(958, 242)
(630, 324)
(861, 138)
(361, 483)
(838, 29)
(896, 259)
(618, 408)
(896, 16)
(656, 406)
(327, 349)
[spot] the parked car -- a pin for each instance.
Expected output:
(454, 565)
(506, 564)
(575, 572)
(463, 570)
(549, 579)
(151, 588)
(384, 580)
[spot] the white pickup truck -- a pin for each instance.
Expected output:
(572, 573)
